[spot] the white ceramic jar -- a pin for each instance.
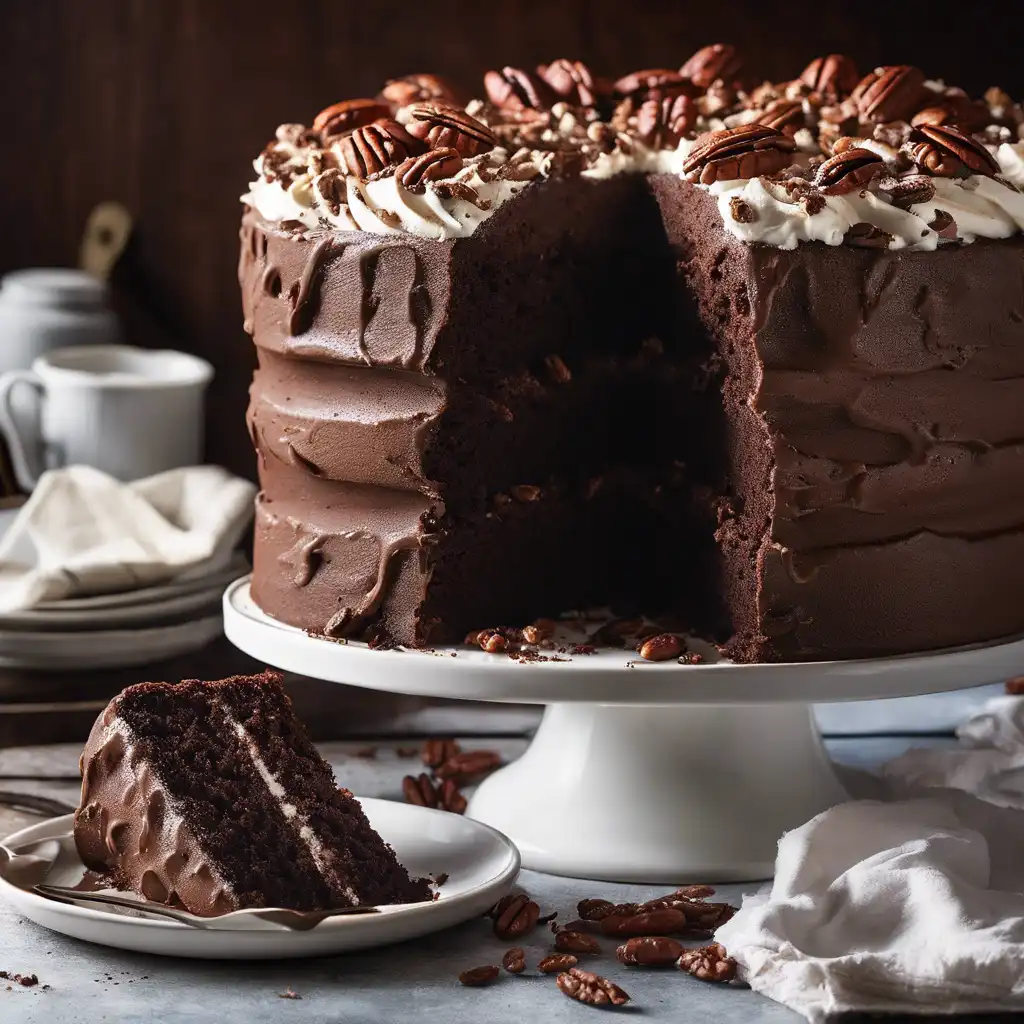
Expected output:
(46, 309)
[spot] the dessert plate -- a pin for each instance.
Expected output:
(480, 862)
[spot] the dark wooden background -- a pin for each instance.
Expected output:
(161, 104)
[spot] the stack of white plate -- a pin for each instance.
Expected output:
(123, 629)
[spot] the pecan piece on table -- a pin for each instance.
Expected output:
(833, 77)
(518, 917)
(660, 647)
(576, 942)
(709, 963)
(586, 987)
(746, 151)
(419, 790)
(848, 171)
(371, 148)
(445, 127)
(556, 962)
(514, 961)
(947, 150)
(717, 62)
(469, 766)
(651, 922)
(479, 976)
(516, 89)
(650, 951)
(414, 173)
(348, 115)
(436, 751)
(892, 93)
(593, 909)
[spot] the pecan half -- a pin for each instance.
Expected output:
(572, 81)
(514, 961)
(892, 93)
(479, 976)
(717, 62)
(433, 165)
(782, 115)
(638, 84)
(556, 962)
(746, 151)
(371, 148)
(444, 127)
(833, 77)
(594, 910)
(590, 988)
(848, 170)
(347, 115)
(436, 751)
(450, 798)
(419, 790)
(519, 917)
(654, 922)
(709, 963)
(661, 647)
(650, 951)
(947, 141)
(400, 92)
(516, 89)
(576, 942)
(663, 120)
(470, 766)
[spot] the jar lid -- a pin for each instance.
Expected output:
(54, 286)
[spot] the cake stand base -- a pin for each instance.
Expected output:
(640, 772)
(661, 794)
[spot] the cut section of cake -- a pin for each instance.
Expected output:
(210, 796)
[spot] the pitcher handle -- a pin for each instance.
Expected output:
(26, 475)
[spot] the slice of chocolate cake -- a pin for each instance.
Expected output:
(210, 796)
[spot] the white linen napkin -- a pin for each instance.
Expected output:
(902, 905)
(83, 532)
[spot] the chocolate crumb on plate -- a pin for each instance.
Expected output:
(289, 993)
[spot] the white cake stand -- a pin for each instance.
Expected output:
(639, 772)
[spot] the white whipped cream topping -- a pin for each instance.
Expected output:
(1010, 157)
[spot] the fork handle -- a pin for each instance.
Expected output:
(63, 895)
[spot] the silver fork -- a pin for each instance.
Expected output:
(297, 920)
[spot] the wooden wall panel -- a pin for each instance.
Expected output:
(162, 104)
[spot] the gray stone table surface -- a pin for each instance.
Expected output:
(416, 981)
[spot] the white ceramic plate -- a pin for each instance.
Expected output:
(481, 864)
(102, 649)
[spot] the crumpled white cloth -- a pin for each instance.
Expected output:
(902, 905)
(83, 532)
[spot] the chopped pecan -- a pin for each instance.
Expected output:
(576, 942)
(892, 93)
(741, 211)
(848, 170)
(557, 369)
(639, 84)
(782, 115)
(436, 751)
(348, 115)
(297, 135)
(572, 81)
(746, 151)
(717, 62)
(371, 148)
(478, 976)
(586, 987)
(650, 951)
(947, 151)
(469, 766)
(654, 922)
(489, 640)
(519, 917)
(414, 173)
(556, 962)
(663, 120)
(419, 790)
(400, 92)
(661, 647)
(514, 961)
(540, 630)
(331, 188)
(516, 89)
(833, 77)
(444, 127)
(709, 963)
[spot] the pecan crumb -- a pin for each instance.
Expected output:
(742, 211)
(288, 993)
(479, 976)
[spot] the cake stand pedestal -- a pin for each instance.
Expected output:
(640, 772)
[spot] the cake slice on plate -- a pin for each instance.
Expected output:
(210, 796)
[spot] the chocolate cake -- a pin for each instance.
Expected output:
(210, 796)
(750, 356)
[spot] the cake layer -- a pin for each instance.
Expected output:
(336, 557)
